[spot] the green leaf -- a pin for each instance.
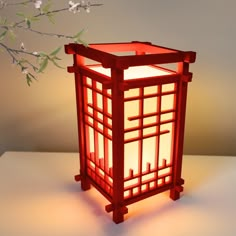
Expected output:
(32, 76)
(78, 34)
(28, 79)
(35, 68)
(28, 22)
(43, 65)
(82, 42)
(77, 38)
(54, 53)
(38, 59)
(34, 18)
(57, 58)
(2, 35)
(51, 19)
(3, 21)
(20, 14)
(41, 57)
(46, 8)
(56, 64)
(42, 54)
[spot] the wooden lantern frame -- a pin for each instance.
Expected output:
(107, 121)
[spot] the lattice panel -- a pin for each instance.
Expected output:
(131, 114)
(149, 127)
(98, 125)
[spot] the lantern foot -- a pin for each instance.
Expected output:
(85, 185)
(77, 178)
(118, 216)
(175, 192)
(118, 212)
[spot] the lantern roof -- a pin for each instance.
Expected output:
(125, 55)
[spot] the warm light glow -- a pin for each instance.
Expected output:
(134, 72)
(156, 150)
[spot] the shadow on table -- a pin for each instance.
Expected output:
(155, 210)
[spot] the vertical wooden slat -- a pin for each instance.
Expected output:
(105, 131)
(78, 61)
(179, 132)
(117, 76)
(140, 134)
(158, 129)
(95, 125)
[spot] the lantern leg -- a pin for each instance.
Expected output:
(85, 184)
(175, 192)
(118, 217)
(118, 214)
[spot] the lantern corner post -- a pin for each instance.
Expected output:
(181, 100)
(80, 99)
(119, 208)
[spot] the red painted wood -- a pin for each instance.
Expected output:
(117, 76)
(81, 129)
(183, 68)
(106, 171)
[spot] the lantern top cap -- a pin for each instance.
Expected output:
(127, 54)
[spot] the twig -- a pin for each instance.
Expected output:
(9, 50)
(54, 11)
(19, 55)
(44, 33)
(17, 51)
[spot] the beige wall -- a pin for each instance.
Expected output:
(43, 117)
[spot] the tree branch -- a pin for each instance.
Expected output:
(17, 51)
(9, 51)
(55, 11)
(21, 57)
(45, 33)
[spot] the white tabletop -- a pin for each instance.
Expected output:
(38, 197)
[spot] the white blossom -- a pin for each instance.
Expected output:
(87, 7)
(20, 55)
(25, 71)
(22, 46)
(74, 7)
(71, 3)
(37, 4)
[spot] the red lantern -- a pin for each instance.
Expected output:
(131, 115)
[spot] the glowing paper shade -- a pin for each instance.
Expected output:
(131, 115)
